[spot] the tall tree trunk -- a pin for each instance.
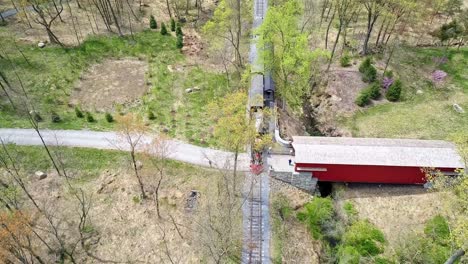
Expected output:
(371, 19)
(168, 8)
(116, 21)
(328, 28)
(334, 46)
(380, 31)
(324, 8)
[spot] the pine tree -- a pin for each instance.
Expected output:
(394, 91)
(173, 25)
(163, 29)
(153, 23)
(179, 30)
(180, 41)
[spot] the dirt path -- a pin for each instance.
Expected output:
(110, 140)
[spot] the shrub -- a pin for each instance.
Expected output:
(151, 115)
(438, 229)
(348, 255)
(387, 81)
(370, 74)
(374, 90)
(179, 30)
(89, 117)
(78, 112)
(394, 91)
(365, 238)
(366, 63)
(3, 23)
(36, 116)
(163, 29)
(345, 61)
(153, 23)
(173, 25)
(350, 210)
(180, 42)
(109, 118)
(316, 214)
(363, 98)
(388, 74)
(55, 117)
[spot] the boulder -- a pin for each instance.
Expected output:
(40, 175)
(188, 90)
(458, 108)
(41, 44)
(139, 165)
(419, 92)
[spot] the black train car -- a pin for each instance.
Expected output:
(268, 90)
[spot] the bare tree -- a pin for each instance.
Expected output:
(131, 131)
(219, 219)
(157, 152)
(46, 15)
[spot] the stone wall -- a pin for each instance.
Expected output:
(303, 181)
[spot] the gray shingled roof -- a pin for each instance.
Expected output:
(376, 151)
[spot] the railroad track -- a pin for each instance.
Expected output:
(255, 220)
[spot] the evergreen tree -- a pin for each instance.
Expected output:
(153, 23)
(180, 41)
(109, 118)
(163, 29)
(173, 25)
(394, 91)
(78, 112)
(179, 30)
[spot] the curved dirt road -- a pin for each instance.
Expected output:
(110, 140)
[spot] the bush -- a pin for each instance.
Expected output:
(366, 63)
(438, 229)
(36, 116)
(316, 214)
(3, 23)
(363, 98)
(109, 118)
(351, 212)
(374, 90)
(151, 115)
(55, 117)
(153, 23)
(388, 74)
(173, 25)
(89, 117)
(179, 30)
(365, 238)
(163, 29)
(180, 42)
(78, 112)
(394, 91)
(369, 75)
(345, 61)
(348, 255)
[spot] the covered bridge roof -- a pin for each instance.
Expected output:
(376, 151)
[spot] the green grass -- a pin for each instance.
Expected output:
(427, 116)
(52, 73)
(84, 160)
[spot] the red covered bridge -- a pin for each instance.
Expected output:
(373, 160)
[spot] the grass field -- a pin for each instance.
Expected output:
(429, 115)
(50, 74)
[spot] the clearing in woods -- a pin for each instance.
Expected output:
(109, 83)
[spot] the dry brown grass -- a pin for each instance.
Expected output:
(109, 83)
(129, 230)
(396, 210)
